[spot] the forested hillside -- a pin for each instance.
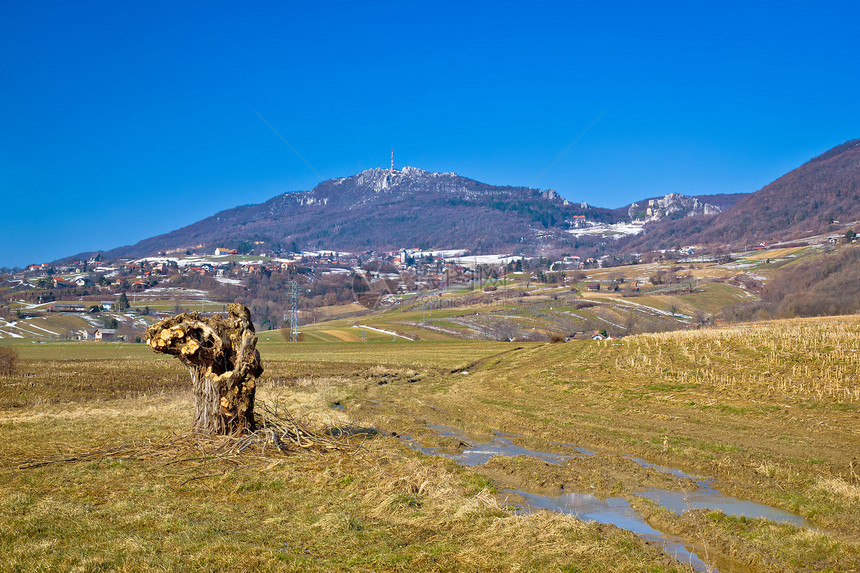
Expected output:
(814, 198)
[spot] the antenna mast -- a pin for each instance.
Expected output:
(392, 162)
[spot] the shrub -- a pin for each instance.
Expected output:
(8, 361)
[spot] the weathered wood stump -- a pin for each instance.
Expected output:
(222, 357)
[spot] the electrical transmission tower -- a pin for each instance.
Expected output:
(294, 314)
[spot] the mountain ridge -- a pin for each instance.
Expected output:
(807, 200)
(386, 209)
(382, 208)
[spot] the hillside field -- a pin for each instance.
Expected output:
(98, 472)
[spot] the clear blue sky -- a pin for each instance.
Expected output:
(122, 120)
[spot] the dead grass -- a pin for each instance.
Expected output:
(769, 410)
(743, 405)
(141, 495)
(839, 487)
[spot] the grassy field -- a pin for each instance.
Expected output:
(770, 412)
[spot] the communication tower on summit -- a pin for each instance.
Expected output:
(392, 162)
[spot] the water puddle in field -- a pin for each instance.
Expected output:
(616, 511)
(709, 498)
(479, 454)
(706, 497)
(663, 469)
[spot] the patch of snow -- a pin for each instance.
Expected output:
(174, 290)
(449, 253)
(606, 230)
(382, 331)
(598, 317)
(92, 321)
(229, 281)
(475, 260)
(27, 331)
(323, 253)
(186, 261)
(31, 325)
(619, 303)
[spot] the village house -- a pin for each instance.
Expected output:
(577, 335)
(105, 334)
(98, 334)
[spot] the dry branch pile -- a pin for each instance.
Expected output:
(276, 434)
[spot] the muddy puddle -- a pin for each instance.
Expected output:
(466, 453)
(617, 511)
(706, 497)
(709, 498)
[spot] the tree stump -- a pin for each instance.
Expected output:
(222, 358)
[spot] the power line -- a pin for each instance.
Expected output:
(294, 313)
(566, 149)
(296, 151)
